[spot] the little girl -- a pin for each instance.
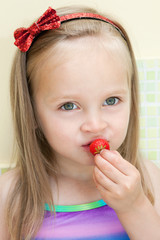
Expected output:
(74, 80)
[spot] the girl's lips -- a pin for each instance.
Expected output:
(88, 144)
(86, 147)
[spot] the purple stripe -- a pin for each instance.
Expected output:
(97, 222)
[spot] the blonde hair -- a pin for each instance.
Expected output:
(34, 158)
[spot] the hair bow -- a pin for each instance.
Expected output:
(24, 36)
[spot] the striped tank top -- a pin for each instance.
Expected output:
(92, 221)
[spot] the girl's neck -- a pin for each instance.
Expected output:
(75, 187)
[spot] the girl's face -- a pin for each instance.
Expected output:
(81, 95)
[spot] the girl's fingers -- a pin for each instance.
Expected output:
(102, 181)
(118, 181)
(109, 171)
(116, 160)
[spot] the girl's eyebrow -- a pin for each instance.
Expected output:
(106, 91)
(120, 91)
(71, 97)
(61, 98)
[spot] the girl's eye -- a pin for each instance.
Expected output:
(69, 106)
(111, 101)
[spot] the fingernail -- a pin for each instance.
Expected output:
(107, 153)
(103, 151)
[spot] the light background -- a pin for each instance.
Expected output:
(141, 20)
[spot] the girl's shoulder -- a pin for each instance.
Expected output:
(7, 181)
(154, 174)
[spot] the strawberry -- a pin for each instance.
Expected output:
(97, 145)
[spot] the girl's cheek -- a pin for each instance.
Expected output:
(117, 136)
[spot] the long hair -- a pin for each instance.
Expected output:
(34, 158)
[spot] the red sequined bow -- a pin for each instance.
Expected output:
(24, 36)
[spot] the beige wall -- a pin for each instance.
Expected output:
(140, 18)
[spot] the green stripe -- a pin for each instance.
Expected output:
(76, 208)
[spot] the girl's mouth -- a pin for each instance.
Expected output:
(86, 147)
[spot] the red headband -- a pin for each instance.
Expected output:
(49, 20)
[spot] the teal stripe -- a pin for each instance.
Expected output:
(76, 208)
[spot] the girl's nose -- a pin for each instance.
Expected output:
(94, 124)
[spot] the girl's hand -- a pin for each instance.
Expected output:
(118, 181)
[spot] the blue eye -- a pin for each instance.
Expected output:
(111, 101)
(69, 106)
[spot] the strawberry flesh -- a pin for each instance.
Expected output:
(97, 145)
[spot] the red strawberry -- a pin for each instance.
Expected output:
(97, 145)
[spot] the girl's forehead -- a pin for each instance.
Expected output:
(75, 55)
(83, 47)
(65, 50)
(85, 70)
